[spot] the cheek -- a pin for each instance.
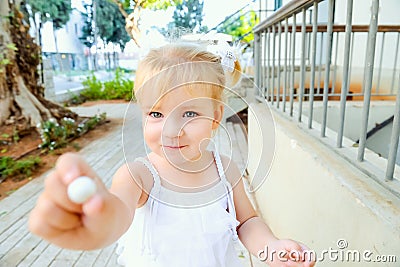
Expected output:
(152, 132)
(199, 129)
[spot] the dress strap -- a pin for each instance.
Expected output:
(153, 171)
(220, 168)
(150, 217)
(229, 190)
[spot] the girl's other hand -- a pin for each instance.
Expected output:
(62, 222)
(289, 253)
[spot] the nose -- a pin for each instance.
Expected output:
(172, 127)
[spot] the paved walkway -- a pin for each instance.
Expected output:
(18, 247)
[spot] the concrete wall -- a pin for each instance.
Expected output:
(313, 195)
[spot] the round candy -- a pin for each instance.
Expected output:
(81, 189)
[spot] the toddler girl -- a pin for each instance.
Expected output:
(181, 205)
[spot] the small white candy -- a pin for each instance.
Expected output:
(81, 189)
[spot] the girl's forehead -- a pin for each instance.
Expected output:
(176, 97)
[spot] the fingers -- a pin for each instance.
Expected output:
(295, 254)
(71, 166)
(308, 258)
(56, 191)
(291, 245)
(54, 211)
(47, 219)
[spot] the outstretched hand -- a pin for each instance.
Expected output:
(62, 222)
(288, 253)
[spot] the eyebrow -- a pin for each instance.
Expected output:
(183, 106)
(148, 108)
(191, 106)
(151, 107)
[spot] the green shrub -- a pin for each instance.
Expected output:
(5, 166)
(93, 88)
(90, 123)
(118, 88)
(55, 135)
(24, 167)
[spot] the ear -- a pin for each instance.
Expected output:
(218, 114)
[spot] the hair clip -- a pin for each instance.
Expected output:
(228, 61)
(226, 53)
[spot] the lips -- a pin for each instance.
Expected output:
(173, 147)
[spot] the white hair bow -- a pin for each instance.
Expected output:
(226, 52)
(228, 60)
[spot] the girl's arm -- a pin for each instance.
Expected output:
(255, 235)
(96, 223)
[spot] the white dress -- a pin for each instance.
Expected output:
(174, 229)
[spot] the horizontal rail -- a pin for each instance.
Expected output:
(294, 6)
(339, 28)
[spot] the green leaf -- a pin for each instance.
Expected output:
(5, 61)
(12, 47)
(240, 26)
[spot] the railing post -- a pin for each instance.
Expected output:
(263, 50)
(313, 59)
(368, 75)
(268, 63)
(257, 64)
(345, 79)
(335, 64)
(278, 86)
(273, 64)
(285, 82)
(395, 63)
(328, 51)
(302, 63)
(293, 63)
(394, 140)
(378, 83)
(321, 50)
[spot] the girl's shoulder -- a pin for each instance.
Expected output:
(140, 174)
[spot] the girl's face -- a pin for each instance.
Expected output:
(178, 126)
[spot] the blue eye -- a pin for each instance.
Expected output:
(190, 114)
(155, 115)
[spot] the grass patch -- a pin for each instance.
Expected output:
(94, 89)
(18, 168)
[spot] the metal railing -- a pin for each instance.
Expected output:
(300, 52)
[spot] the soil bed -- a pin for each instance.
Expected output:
(26, 144)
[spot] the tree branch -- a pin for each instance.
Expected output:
(121, 8)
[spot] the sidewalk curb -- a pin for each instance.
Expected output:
(63, 96)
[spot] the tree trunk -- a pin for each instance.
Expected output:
(21, 97)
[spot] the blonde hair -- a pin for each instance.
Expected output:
(183, 64)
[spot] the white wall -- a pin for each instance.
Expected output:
(67, 36)
(385, 46)
(313, 195)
